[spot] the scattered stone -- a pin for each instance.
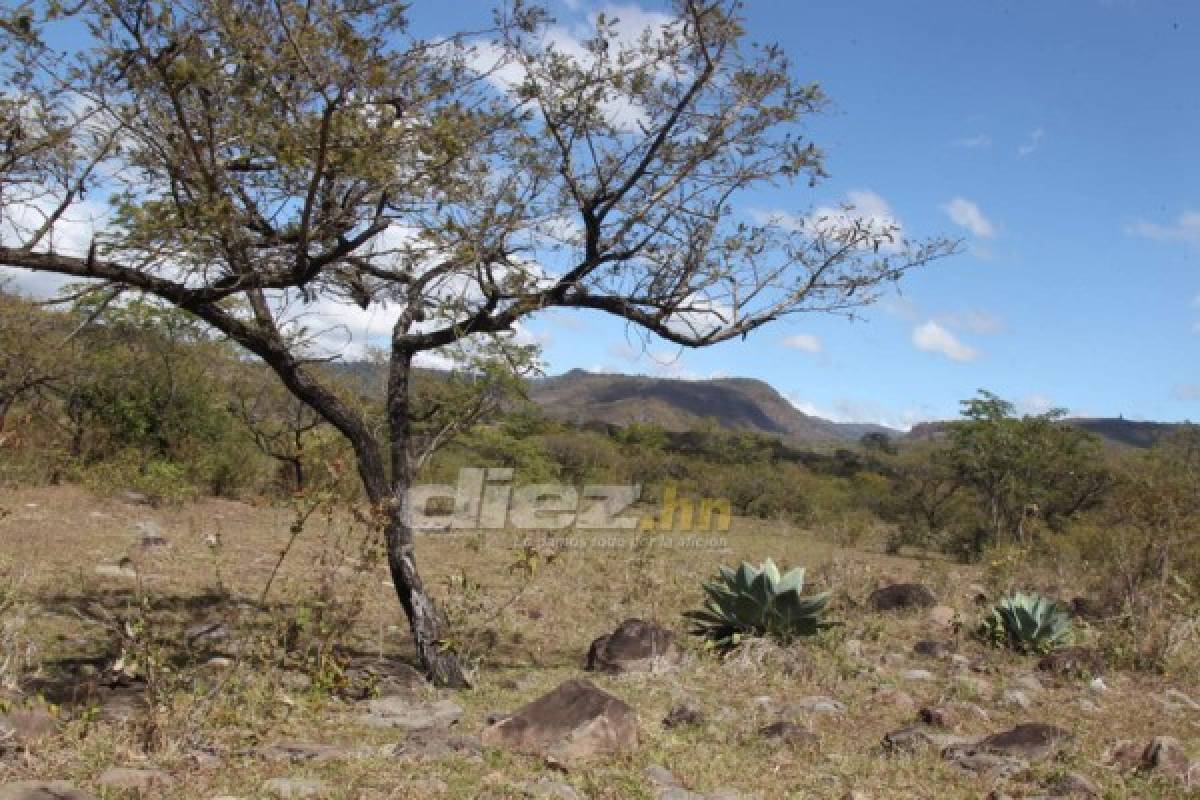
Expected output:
(411, 714)
(789, 733)
(145, 782)
(1017, 698)
(150, 535)
(818, 704)
(19, 729)
(310, 752)
(574, 722)
(660, 775)
(985, 763)
(1175, 700)
(116, 571)
(373, 677)
(1035, 741)
(288, 788)
(42, 790)
(1073, 662)
(683, 715)
(901, 596)
(913, 738)
(136, 499)
(635, 646)
(944, 717)
(1165, 755)
(1073, 784)
(933, 649)
(1087, 706)
(853, 647)
(123, 705)
(944, 616)
(897, 698)
(1098, 685)
(1027, 682)
(427, 787)
(436, 744)
(917, 675)
(551, 790)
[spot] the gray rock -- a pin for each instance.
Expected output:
(683, 715)
(574, 722)
(436, 744)
(1073, 784)
(1017, 698)
(659, 775)
(116, 571)
(1073, 662)
(289, 788)
(789, 733)
(635, 646)
(914, 738)
(550, 789)
(42, 790)
(929, 648)
(22, 728)
(311, 752)
(901, 596)
(403, 711)
(917, 675)
(819, 704)
(1034, 741)
(145, 782)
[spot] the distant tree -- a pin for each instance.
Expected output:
(1023, 468)
(879, 442)
(265, 159)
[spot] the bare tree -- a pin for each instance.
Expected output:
(269, 157)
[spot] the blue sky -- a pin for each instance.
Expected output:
(1057, 139)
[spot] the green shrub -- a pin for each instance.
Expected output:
(1028, 623)
(757, 602)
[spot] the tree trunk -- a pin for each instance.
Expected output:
(440, 663)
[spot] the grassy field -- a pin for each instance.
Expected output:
(228, 672)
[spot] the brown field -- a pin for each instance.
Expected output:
(526, 623)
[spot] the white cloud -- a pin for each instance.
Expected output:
(849, 409)
(1034, 404)
(803, 341)
(861, 207)
(1186, 229)
(974, 142)
(1186, 392)
(974, 320)
(966, 214)
(934, 338)
(1032, 143)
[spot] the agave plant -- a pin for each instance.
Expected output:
(757, 601)
(1028, 622)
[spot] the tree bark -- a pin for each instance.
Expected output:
(440, 663)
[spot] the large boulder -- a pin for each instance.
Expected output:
(635, 646)
(1034, 741)
(1162, 755)
(575, 722)
(901, 596)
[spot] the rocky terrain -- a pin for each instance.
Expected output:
(143, 658)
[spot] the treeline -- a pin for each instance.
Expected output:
(133, 396)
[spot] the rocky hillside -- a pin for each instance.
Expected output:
(678, 405)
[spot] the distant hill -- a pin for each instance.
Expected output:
(679, 405)
(1115, 431)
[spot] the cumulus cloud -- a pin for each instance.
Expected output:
(1185, 229)
(975, 142)
(803, 341)
(1032, 143)
(974, 320)
(848, 409)
(966, 214)
(934, 338)
(860, 207)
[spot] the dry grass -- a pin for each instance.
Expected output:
(526, 618)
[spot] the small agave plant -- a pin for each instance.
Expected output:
(757, 601)
(1028, 622)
